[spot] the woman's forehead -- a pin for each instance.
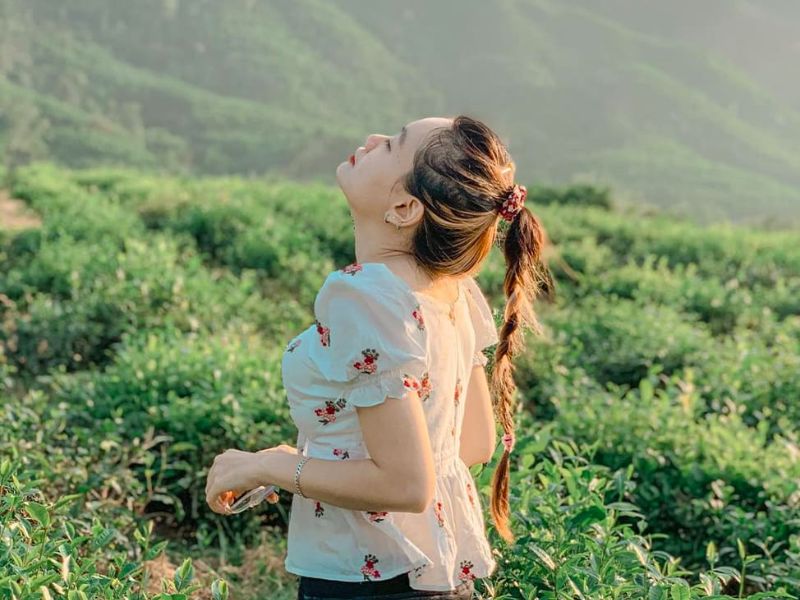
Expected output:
(416, 131)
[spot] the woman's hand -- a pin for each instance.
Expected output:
(235, 472)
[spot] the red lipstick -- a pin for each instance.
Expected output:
(353, 159)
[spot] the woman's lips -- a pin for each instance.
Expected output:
(353, 159)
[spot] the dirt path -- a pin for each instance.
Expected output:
(14, 214)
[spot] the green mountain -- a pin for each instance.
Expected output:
(691, 107)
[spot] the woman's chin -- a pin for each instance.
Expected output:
(339, 168)
(341, 176)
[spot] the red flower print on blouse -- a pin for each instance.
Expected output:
(369, 364)
(352, 268)
(411, 382)
(293, 344)
(324, 333)
(341, 453)
(466, 570)
(417, 314)
(368, 570)
(437, 509)
(425, 390)
(458, 391)
(469, 494)
(319, 511)
(423, 387)
(376, 516)
(328, 413)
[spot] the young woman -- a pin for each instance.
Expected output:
(387, 387)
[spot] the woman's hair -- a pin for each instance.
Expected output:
(462, 174)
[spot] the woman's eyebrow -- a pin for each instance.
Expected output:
(403, 133)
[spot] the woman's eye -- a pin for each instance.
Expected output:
(388, 145)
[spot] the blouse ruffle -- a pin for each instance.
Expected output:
(373, 339)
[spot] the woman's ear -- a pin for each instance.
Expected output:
(409, 212)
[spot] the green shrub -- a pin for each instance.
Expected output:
(204, 394)
(698, 474)
(579, 533)
(618, 342)
(75, 299)
(757, 375)
(68, 209)
(141, 328)
(61, 536)
(575, 195)
(52, 547)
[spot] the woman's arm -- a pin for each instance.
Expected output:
(398, 476)
(478, 437)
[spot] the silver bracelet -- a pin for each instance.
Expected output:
(303, 461)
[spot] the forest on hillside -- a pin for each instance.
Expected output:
(690, 107)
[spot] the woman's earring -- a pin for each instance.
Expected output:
(386, 220)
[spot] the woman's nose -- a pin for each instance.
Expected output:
(372, 140)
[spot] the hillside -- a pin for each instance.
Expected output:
(690, 107)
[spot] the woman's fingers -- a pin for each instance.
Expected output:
(222, 502)
(224, 507)
(227, 497)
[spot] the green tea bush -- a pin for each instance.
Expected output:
(53, 548)
(700, 476)
(59, 266)
(67, 531)
(54, 333)
(574, 195)
(755, 258)
(141, 328)
(546, 375)
(581, 263)
(783, 298)
(202, 393)
(75, 299)
(722, 306)
(618, 342)
(68, 209)
(242, 224)
(757, 376)
(579, 534)
(252, 233)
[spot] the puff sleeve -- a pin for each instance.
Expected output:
(371, 339)
(482, 322)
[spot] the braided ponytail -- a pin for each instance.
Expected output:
(527, 277)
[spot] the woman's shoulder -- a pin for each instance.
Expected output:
(371, 282)
(367, 323)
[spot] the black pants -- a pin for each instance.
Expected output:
(396, 588)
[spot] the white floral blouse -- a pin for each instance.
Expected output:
(373, 337)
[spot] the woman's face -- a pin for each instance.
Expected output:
(369, 178)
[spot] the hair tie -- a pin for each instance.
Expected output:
(513, 202)
(508, 442)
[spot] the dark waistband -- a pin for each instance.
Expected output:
(331, 588)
